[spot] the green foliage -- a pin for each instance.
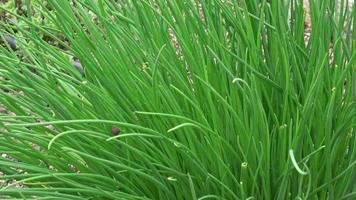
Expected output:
(180, 100)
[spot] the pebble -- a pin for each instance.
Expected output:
(115, 131)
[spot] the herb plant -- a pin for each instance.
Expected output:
(194, 99)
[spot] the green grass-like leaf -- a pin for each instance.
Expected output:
(195, 99)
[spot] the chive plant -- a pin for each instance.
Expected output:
(179, 100)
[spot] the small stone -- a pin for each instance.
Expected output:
(115, 131)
